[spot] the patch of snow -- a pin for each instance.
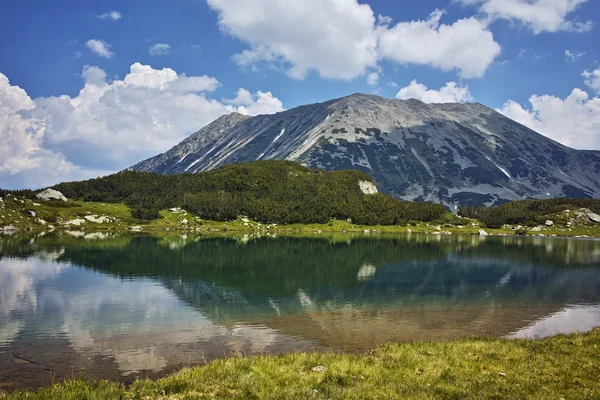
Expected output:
(192, 164)
(278, 136)
(500, 168)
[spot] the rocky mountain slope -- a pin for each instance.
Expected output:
(449, 153)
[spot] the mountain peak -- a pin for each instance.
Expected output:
(451, 153)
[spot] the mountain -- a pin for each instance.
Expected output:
(455, 154)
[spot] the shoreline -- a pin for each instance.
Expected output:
(563, 366)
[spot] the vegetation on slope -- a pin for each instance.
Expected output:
(265, 191)
(559, 367)
(527, 212)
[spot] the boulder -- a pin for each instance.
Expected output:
(96, 220)
(367, 187)
(594, 217)
(51, 194)
(32, 213)
(537, 229)
(549, 223)
(483, 233)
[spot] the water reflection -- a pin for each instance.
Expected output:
(119, 306)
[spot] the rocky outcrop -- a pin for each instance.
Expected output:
(51, 194)
(367, 187)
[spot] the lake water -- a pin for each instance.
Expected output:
(120, 307)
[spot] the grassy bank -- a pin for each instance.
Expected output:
(563, 367)
(37, 215)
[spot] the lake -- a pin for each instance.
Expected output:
(116, 307)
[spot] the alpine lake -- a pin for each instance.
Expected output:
(121, 306)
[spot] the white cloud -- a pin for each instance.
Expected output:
(573, 56)
(107, 126)
(592, 79)
(466, 45)
(450, 93)
(255, 104)
(341, 39)
(392, 84)
(23, 158)
(384, 20)
(159, 49)
(574, 121)
(537, 15)
(335, 38)
(112, 15)
(373, 78)
(100, 48)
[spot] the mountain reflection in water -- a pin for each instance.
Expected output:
(117, 307)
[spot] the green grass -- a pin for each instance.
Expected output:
(14, 211)
(562, 367)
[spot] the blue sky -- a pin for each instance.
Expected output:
(283, 54)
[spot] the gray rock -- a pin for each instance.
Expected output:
(537, 229)
(51, 194)
(367, 187)
(549, 223)
(32, 213)
(483, 233)
(594, 217)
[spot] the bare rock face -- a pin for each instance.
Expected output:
(367, 187)
(51, 194)
(454, 154)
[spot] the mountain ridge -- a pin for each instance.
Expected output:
(452, 153)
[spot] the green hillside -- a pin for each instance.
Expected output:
(266, 191)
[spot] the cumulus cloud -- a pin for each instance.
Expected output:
(108, 126)
(538, 15)
(592, 79)
(573, 121)
(159, 49)
(112, 15)
(373, 78)
(466, 45)
(23, 159)
(100, 48)
(342, 39)
(573, 56)
(450, 93)
(335, 38)
(255, 104)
